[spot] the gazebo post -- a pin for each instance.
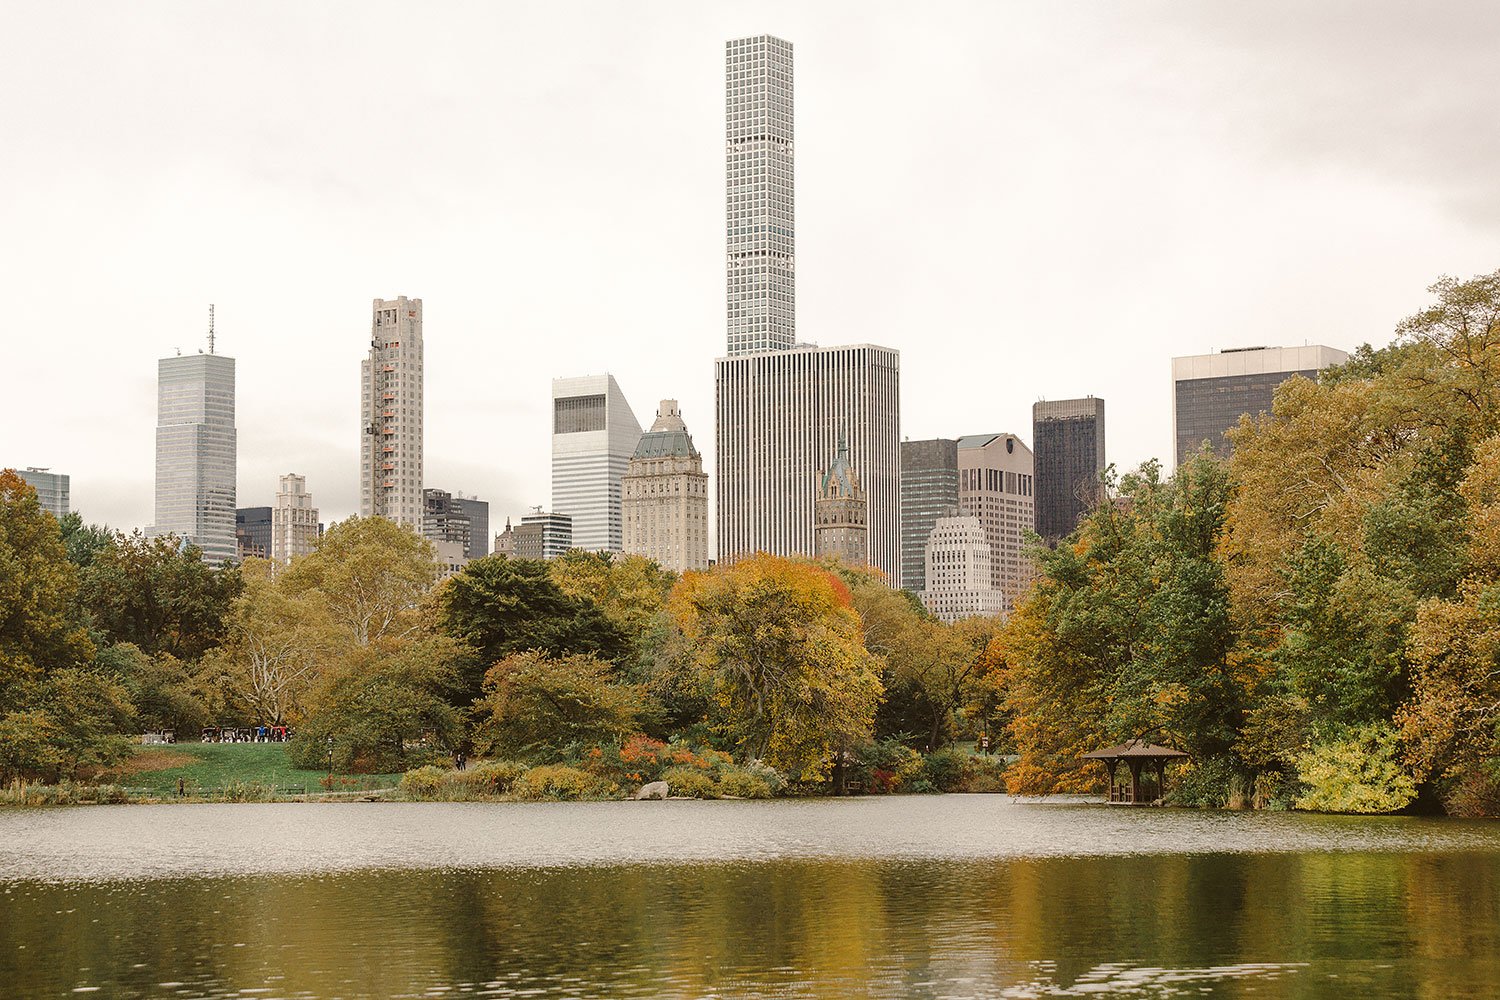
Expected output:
(1135, 781)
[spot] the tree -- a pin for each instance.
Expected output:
(90, 714)
(157, 594)
(385, 711)
(83, 541)
(630, 590)
(160, 688)
(502, 606)
(780, 646)
(279, 643)
(371, 575)
(535, 705)
(39, 631)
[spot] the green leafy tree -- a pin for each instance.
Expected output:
(535, 705)
(160, 688)
(501, 606)
(83, 541)
(90, 715)
(158, 595)
(39, 630)
(385, 711)
(630, 590)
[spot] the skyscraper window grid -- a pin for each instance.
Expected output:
(759, 202)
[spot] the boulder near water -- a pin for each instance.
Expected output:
(653, 790)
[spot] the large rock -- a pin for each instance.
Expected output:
(655, 790)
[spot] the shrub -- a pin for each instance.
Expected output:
(245, 791)
(944, 770)
(495, 777)
(558, 781)
(690, 782)
(744, 785)
(1475, 791)
(1205, 782)
(423, 783)
(1361, 773)
(773, 778)
(983, 774)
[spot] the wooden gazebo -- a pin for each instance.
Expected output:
(1146, 761)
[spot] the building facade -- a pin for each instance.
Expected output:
(759, 202)
(505, 542)
(390, 465)
(478, 513)
(1210, 392)
(594, 433)
(780, 414)
(996, 483)
(196, 452)
(1067, 436)
(543, 535)
(52, 489)
(841, 513)
(442, 521)
(959, 570)
(665, 495)
(929, 490)
(252, 532)
(294, 520)
(450, 558)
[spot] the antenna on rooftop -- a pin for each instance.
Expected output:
(210, 328)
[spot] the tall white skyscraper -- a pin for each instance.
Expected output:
(779, 405)
(761, 259)
(958, 574)
(294, 520)
(594, 433)
(390, 470)
(195, 451)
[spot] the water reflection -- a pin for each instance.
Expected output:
(1279, 925)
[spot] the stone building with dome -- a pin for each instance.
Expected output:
(664, 495)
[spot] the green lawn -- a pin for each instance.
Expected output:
(214, 765)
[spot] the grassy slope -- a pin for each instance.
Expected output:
(214, 765)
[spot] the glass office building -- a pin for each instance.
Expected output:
(929, 490)
(1210, 392)
(52, 489)
(1067, 439)
(195, 453)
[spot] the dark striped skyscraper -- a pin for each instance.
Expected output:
(1067, 438)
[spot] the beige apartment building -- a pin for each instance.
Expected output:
(665, 495)
(996, 484)
(959, 570)
(390, 469)
(294, 520)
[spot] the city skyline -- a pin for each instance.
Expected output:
(1244, 209)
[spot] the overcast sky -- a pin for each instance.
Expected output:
(1036, 200)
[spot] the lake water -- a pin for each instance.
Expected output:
(944, 896)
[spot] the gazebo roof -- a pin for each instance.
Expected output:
(1134, 748)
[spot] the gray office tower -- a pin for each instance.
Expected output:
(929, 490)
(1067, 439)
(195, 452)
(1210, 392)
(448, 517)
(780, 406)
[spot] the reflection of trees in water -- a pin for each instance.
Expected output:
(791, 928)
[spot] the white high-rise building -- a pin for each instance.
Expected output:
(195, 451)
(758, 204)
(390, 469)
(294, 520)
(779, 405)
(665, 500)
(594, 433)
(779, 414)
(996, 483)
(959, 570)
